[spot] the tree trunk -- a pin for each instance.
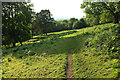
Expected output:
(13, 44)
(21, 43)
(116, 19)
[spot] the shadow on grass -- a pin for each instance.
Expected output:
(63, 34)
(55, 35)
(54, 46)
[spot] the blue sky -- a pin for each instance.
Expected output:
(60, 9)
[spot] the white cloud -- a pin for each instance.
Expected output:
(60, 8)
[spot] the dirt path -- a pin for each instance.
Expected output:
(70, 68)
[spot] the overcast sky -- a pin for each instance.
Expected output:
(60, 9)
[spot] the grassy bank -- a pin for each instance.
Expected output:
(46, 56)
(99, 58)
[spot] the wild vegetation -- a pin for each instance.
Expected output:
(29, 53)
(46, 56)
(99, 57)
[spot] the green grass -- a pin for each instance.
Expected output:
(89, 65)
(94, 61)
(46, 56)
(46, 66)
(42, 56)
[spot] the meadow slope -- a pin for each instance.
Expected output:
(46, 56)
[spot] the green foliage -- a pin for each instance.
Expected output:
(102, 11)
(49, 59)
(16, 21)
(42, 22)
(71, 22)
(106, 40)
(92, 20)
(106, 17)
(46, 56)
(99, 57)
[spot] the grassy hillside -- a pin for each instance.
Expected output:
(46, 56)
(99, 57)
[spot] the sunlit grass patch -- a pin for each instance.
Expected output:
(87, 65)
(35, 66)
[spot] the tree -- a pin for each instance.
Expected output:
(65, 24)
(82, 23)
(105, 17)
(97, 8)
(79, 24)
(54, 27)
(16, 18)
(70, 23)
(42, 22)
(92, 19)
(76, 24)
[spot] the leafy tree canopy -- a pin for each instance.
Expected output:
(42, 22)
(16, 19)
(98, 8)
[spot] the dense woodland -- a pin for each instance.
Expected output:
(37, 42)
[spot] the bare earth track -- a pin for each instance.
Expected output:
(70, 68)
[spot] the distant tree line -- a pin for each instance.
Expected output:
(44, 23)
(72, 23)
